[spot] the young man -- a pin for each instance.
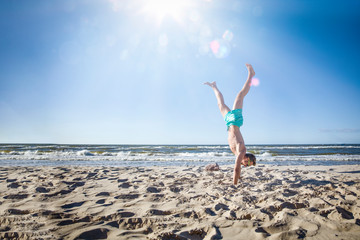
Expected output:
(234, 120)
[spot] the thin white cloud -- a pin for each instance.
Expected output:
(340, 130)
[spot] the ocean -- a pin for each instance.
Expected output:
(172, 155)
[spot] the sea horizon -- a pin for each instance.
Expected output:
(135, 155)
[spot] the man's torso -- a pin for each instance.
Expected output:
(235, 138)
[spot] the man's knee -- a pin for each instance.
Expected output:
(223, 109)
(221, 106)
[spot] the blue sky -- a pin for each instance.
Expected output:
(131, 72)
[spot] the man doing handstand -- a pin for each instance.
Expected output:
(234, 120)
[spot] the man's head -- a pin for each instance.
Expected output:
(249, 160)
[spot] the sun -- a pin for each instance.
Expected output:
(159, 9)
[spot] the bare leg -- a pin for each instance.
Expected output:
(220, 99)
(238, 103)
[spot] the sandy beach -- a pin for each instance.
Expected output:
(271, 202)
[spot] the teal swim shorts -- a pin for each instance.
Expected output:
(234, 117)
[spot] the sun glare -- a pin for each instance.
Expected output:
(159, 9)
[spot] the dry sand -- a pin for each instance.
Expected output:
(272, 202)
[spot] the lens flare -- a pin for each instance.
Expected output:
(228, 35)
(220, 48)
(255, 82)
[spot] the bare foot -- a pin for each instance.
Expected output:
(213, 84)
(250, 69)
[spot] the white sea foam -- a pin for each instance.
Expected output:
(265, 154)
(309, 158)
(169, 154)
(307, 147)
(84, 153)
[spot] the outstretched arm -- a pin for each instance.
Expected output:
(237, 169)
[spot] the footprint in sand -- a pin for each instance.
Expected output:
(86, 219)
(273, 209)
(289, 193)
(11, 180)
(72, 205)
(313, 209)
(122, 180)
(74, 184)
(209, 212)
(194, 234)
(169, 176)
(155, 197)
(42, 190)
(17, 212)
(295, 185)
(90, 175)
(124, 185)
(153, 190)
(13, 185)
(127, 196)
(66, 222)
(61, 192)
(98, 233)
(156, 212)
(131, 223)
(126, 214)
(117, 216)
(175, 189)
(290, 205)
(104, 194)
(325, 212)
(344, 213)
(101, 201)
(16, 196)
(190, 214)
(221, 206)
(262, 230)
